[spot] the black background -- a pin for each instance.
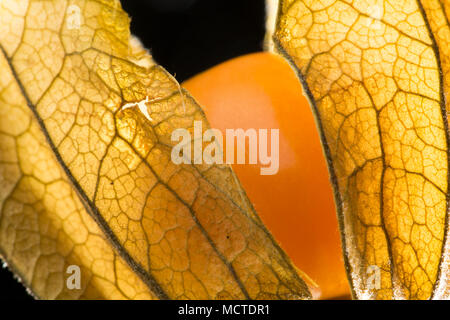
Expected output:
(206, 33)
(186, 37)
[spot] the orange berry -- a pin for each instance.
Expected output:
(261, 91)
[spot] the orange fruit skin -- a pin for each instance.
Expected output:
(261, 91)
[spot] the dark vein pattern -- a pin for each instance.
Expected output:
(373, 72)
(185, 232)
